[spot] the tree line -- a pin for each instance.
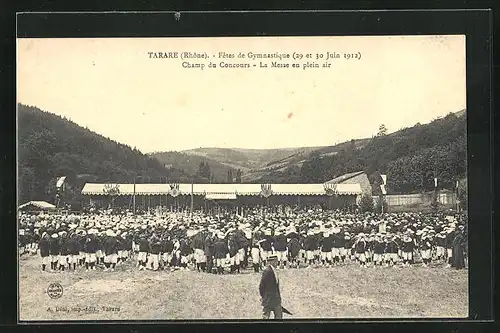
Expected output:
(50, 146)
(410, 158)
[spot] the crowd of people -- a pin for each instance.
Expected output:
(230, 243)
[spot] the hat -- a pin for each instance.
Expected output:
(272, 257)
(54, 235)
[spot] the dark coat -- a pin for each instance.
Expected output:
(269, 289)
(198, 241)
(91, 244)
(280, 243)
(361, 247)
(209, 247)
(111, 246)
(63, 246)
(54, 246)
(220, 249)
(155, 246)
(294, 247)
(167, 246)
(184, 247)
(310, 243)
(458, 255)
(143, 245)
(327, 244)
(44, 247)
(233, 245)
(241, 239)
(73, 245)
(266, 243)
(379, 247)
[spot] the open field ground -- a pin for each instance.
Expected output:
(338, 292)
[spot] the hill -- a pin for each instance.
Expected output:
(51, 146)
(220, 160)
(246, 159)
(190, 163)
(294, 161)
(410, 157)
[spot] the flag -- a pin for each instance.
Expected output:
(382, 188)
(384, 179)
(435, 182)
(60, 181)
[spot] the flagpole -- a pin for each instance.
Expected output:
(134, 198)
(192, 185)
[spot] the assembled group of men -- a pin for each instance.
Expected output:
(303, 238)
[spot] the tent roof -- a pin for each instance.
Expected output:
(204, 189)
(38, 204)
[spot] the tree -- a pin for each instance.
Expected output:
(381, 202)
(382, 130)
(462, 194)
(51, 146)
(238, 176)
(366, 203)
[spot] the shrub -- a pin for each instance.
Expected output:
(366, 203)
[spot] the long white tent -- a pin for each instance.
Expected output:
(210, 190)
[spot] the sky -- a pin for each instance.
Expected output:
(114, 88)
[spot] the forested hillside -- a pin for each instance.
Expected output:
(247, 159)
(191, 165)
(51, 146)
(410, 158)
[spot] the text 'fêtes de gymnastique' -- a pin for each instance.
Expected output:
(253, 60)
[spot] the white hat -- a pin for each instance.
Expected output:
(54, 235)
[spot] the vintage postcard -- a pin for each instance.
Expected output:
(242, 178)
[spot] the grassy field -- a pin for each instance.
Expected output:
(339, 292)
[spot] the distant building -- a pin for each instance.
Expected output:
(359, 177)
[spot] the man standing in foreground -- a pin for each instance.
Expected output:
(269, 289)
